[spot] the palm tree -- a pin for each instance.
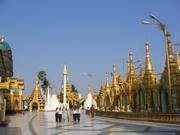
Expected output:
(42, 76)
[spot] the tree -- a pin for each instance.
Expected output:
(73, 88)
(42, 76)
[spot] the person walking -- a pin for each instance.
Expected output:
(78, 114)
(74, 114)
(92, 111)
(57, 114)
(60, 114)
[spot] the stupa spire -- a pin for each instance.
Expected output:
(114, 81)
(131, 63)
(107, 86)
(148, 66)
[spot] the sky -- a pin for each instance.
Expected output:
(87, 35)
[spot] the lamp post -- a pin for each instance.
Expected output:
(65, 73)
(163, 28)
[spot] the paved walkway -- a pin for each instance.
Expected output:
(44, 124)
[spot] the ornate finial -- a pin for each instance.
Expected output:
(147, 49)
(37, 82)
(65, 70)
(114, 81)
(114, 68)
(130, 54)
(106, 76)
(101, 85)
(2, 38)
(131, 64)
(107, 80)
(148, 59)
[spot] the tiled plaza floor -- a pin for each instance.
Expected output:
(44, 124)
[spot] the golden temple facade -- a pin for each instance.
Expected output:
(143, 92)
(36, 101)
(72, 96)
(13, 94)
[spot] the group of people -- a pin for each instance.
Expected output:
(63, 114)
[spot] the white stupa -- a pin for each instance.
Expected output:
(51, 102)
(90, 101)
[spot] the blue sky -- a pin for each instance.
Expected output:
(87, 35)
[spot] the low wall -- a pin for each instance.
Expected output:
(153, 117)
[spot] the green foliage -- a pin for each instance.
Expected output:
(42, 75)
(73, 88)
(44, 82)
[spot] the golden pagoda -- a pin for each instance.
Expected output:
(36, 100)
(101, 97)
(132, 85)
(122, 102)
(170, 95)
(150, 97)
(108, 97)
(115, 89)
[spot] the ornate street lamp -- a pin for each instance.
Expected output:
(163, 28)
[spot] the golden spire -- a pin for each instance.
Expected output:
(141, 72)
(131, 70)
(177, 60)
(114, 81)
(36, 93)
(148, 66)
(101, 89)
(101, 85)
(37, 98)
(37, 85)
(107, 86)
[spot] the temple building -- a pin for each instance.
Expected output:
(13, 96)
(36, 100)
(101, 98)
(170, 83)
(11, 89)
(143, 92)
(132, 85)
(150, 97)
